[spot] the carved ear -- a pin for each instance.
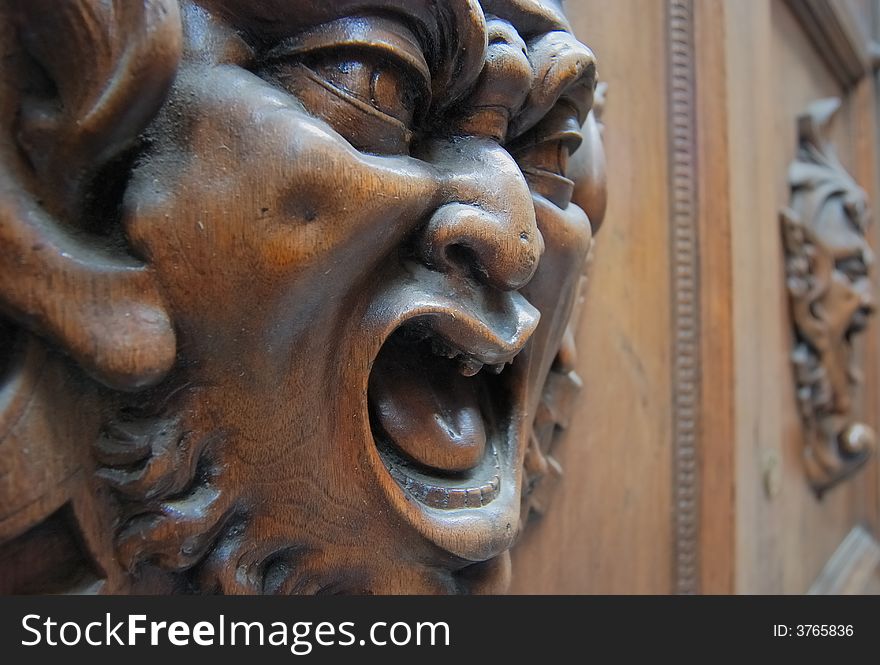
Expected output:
(84, 79)
(109, 65)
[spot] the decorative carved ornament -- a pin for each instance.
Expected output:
(827, 264)
(685, 315)
(286, 289)
(838, 32)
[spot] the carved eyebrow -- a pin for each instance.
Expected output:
(377, 33)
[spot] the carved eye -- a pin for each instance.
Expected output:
(550, 157)
(853, 267)
(365, 76)
(377, 83)
(365, 98)
(543, 152)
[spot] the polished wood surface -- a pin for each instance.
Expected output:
(784, 535)
(616, 491)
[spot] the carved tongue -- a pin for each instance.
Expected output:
(428, 409)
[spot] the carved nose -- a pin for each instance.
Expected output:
(491, 246)
(485, 224)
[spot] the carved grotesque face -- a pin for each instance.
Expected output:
(358, 219)
(846, 303)
(828, 262)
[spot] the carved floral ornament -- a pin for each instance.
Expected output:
(827, 265)
(288, 287)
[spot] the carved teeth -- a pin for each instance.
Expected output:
(469, 363)
(448, 498)
(469, 366)
(445, 497)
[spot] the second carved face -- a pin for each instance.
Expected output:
(827, 262)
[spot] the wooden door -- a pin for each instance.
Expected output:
(685, 470)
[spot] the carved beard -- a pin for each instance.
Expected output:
(163, 460)
(181, 516)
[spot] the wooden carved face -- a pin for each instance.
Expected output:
(356, 218)
(828, 261)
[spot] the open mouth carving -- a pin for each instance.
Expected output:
(440, 406)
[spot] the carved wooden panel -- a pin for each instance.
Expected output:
(286, 289)
(854, 568)
(827, 270)
(840, 32)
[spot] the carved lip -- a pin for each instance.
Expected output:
(448, 342)
(490, 333)
(454, 344)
